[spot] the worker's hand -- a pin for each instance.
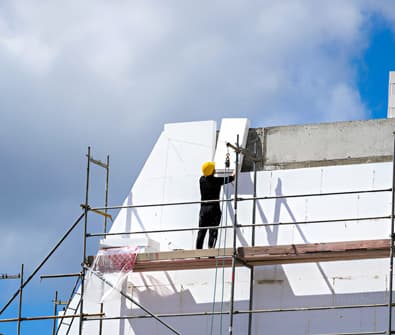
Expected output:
(234, 173)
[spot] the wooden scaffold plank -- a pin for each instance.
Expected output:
(262, 255)
(315, 252)
(183, 260)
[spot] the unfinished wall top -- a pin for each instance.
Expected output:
(322, 144)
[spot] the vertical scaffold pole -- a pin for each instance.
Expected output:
(251, 300)
(232, 294)
(55, 312)
(106, 195)
(20, 302)
(105, 228)
(392, 242)
(101, 320)
(85, 233)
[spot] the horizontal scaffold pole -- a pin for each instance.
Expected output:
(7, 276)
(51, 317)
(241, 312)
(274, 197)
(61, 275)
(358, 333)
(257, 225)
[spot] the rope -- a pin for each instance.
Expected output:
(225, 192)
(216, 269)
(223, 265)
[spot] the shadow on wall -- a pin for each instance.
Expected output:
(272, 231)
(130, 212)
(271, 291)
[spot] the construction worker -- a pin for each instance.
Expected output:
(210, 213)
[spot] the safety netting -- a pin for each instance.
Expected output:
(115, 260)
(113, 264)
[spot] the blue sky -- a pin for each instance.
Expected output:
(373, 68)
(111, 74)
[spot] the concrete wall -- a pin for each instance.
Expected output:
(323, 144)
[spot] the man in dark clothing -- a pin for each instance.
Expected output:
(210, 213)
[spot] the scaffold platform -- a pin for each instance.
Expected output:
(263, 255)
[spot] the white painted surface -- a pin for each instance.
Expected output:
(170, 176)
(230, 129)
(144, 244)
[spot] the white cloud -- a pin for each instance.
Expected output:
(152, 61)
(110, 73)
(33, 55)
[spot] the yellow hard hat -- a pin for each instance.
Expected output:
(208, 168)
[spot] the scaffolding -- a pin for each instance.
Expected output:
(234, 257)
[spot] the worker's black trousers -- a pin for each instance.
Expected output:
(209, 216)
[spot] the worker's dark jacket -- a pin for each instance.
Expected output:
(210, 187)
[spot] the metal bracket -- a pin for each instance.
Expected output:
(97, 162)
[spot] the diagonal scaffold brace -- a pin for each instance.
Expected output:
(42, 263)
(133, 301)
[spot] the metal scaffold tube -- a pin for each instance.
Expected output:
(391, 274)
(243, 312)
(359, 333)
(55, 312)
(84, 242)
(385, 217)
(67, 304)
(20, 302)
(251, 297)
(106, 192)
(51, 317)
(256, 225)
(61, 275)
(105, 227)
(234, 254)
(134, 302)
(274, 197)
(42, 263)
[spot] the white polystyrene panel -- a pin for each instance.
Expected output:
(170, 174)
(200, 284)
(322, 180)
(337, 277)
(144, 244)
(229, 130)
